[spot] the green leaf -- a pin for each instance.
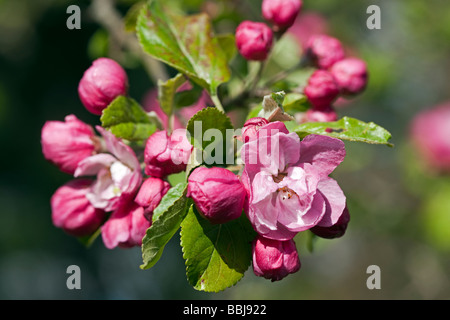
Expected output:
(228, 44)
(347, 129)
(168, 200)
(205, 119)
(126, 119)
(295, 102)
(217, 255)
(188, 97)
(166, 92)
(165, 226)
(132, 15)
(186, 43)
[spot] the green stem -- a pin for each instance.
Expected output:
(217, 102)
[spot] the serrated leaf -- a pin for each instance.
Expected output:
(186, 43)
(169, 200)
(347, 129)
(165, 226)
(217, 256)
(126, 119)
(166, 92)
(206, 119)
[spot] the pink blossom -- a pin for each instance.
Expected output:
(281, 13)
(350, 75)
(254, 40)
(67, 143)
(251, 127)
(73, 212)
(324, 50)
(126, 227)
(150, 194)
(166, 154)
(274, 259)
(118, 173)
(321, 89)
(308, 25)
(217, 193)
(101, 83)
(325, 115)
(287, 182)
(430, 132)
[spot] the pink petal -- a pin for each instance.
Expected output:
(93, 164)
(335, 201)
(325, 153)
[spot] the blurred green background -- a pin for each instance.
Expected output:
(399, 212)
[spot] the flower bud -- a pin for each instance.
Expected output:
(254, 40)
(430, 132)
(166, 154)
(73, 212)
(217, 193)
(321, 89)
(251, 127)
(150, 194)
(281, 13)
(273, 259)
(350, 75)
(325, 115)
(335, 231)
(101, 83)
(126, 227)
(67, 143)
(324, 51)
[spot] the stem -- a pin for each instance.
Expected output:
(108, 17)
(217, 102)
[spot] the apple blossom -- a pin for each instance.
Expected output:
(150, 194)
(281, 13)
(350, 75)
(254, 40)
(324, 50)
(321, 89)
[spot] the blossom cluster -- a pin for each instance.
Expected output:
(283, 185)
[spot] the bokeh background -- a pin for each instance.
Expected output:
(399, 207)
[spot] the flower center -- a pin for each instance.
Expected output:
(279, 177)
(286, 193)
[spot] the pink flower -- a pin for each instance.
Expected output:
(281, 13)
(126, 227)
(430, 133)
(166, 154)
(274, 259)
(150, 194)
(101, 83)
(324, 51)
(73, 212)
(287, 182)
(254, 40)
(118, 173)
(251, 127)
(217, 193)
(350, 75)
(65, 144)
(336, 230)
(321, 89)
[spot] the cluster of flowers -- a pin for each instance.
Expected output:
(336, 74)
(284, 187)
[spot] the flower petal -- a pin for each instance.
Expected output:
(93, 164)
(335, 201)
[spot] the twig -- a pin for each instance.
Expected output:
(104, 12)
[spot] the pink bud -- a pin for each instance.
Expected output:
(217, 193)
(67, 143)
(325, 115)
(254, 40)
(321, 89)
(335, 231)
(350, 75)
(166, 154)
(73, 212)
(126, 227)
(430, 132)
(282, 13)
(101, 83)
(150, 194)
(251, 127)
(273, 259)
(324, 51)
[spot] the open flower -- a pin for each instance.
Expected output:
(287, 182)
(118, 173)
